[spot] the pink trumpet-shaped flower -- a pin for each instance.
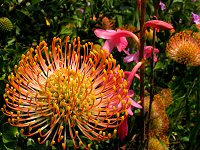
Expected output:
(148, 50)
(115, 38)
(158, 24)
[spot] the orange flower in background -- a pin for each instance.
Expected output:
(159, 121)
(183, 47)
(107, 23)
(67, 91)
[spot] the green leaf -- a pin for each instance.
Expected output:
(119, 19)
(65, 31)
(35, 1)
(10, 133)
(194, 134)
(185, 139)
(10, 145)
(30, 142)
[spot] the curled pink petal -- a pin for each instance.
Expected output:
(132, 74)
(104, 34)
(159, 24)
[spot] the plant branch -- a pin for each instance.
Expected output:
(142, 68)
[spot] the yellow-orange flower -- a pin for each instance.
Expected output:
(159, 121)
(68, 91)
(183, 47)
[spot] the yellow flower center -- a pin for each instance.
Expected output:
(70, 91)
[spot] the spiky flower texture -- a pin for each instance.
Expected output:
(67, 94)
(183, 47)
(5, 25)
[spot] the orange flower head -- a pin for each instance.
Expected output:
(67, 91)
(183, 47)
(159, 121)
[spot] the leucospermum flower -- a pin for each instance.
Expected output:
(183, 47)
(70, 91)
(159, 121)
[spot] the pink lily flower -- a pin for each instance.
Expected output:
(158, 24)
(115, 38)
(123, 128)
(148, 50)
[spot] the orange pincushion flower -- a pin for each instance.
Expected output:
(183, 47)
(159, 122)
(68, 91)
(165, 98)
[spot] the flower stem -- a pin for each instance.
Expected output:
(152, 78)
(142, 68)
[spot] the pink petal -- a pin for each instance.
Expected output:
(156, 51)
(131, 93)
(196, 18)
(162, 5)
(119, 105)
(104, 34)
(132, 74)
(148, 52)
(137, 76)
(127, 73)
(123, 129)
(125, 33)
(135, 104)
(155, 58)
(108, 45)
(131, 57)
(122, 44)
(130, 112)
(159, 24)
